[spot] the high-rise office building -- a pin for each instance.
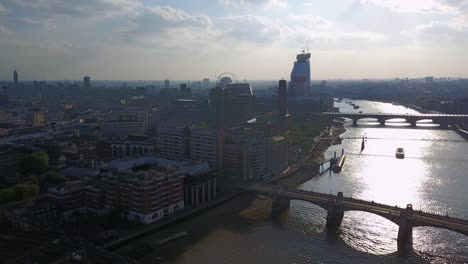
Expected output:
(282, 104)
(185, 92)
(15, 77)
(4, 96)
(300, 76)
(86, 82)
(196, 143)
(166, 84)
(206, 83)
(232, 105)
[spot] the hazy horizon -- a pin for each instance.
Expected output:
(255, 39)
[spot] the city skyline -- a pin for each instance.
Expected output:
(258, 40)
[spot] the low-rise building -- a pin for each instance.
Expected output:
(78, 197)
(40, 216)
(133, 147)
(122, 129)
(144, 196)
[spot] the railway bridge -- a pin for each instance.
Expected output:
(336, 205)
(444, 120)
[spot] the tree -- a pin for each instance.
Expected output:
(55, 178)
(24, 191)
(7, 195)
(37, 163)
(18, 192)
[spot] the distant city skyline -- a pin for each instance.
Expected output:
(255, 39)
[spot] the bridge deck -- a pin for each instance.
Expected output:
(393, 114)
(419, 218)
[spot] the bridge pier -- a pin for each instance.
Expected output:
(381, 121)
(405, 232)
(412, 123)
(443, 125)
(280, 203)
(335, 214)
(355, 122)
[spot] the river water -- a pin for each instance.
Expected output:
(432, 177)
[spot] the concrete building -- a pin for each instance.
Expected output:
(185, 111)
(282, 104)
(37, 118)
(232, 105)
(86, 82)
(300, 76)
(191, 142)
(206, 83)
(4, 99)
(133, 147)
(15, 77)
(244, 156)
(276, 155)
(40, 216)
(77, 197)
(153, 122)
(124, 123)
(121, 129)
(174, 142)
(185, 92)
(315, 103)
(144, 196)
(199, 188)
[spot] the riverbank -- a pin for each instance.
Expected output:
(310, 166)
(307, 169)
(173, 219)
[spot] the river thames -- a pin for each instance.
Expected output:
(433, 177)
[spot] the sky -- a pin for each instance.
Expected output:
(254, 39)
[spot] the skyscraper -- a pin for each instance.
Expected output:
(15, 77)
(86, 82)
(282, 104)
(300, 76)
(166, 84)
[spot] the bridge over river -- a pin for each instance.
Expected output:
(444, 120)
(336, 205)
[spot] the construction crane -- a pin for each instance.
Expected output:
(306, 46)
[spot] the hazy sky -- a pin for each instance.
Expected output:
(255, 39)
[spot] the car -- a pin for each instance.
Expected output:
(400, 153)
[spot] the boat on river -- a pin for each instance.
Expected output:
(400, 153)
(338, 166)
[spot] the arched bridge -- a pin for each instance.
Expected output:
(442, 119)
(336, 205)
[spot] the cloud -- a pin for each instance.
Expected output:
(155, 24)
(411, 6)
(3, 9)
(250, 28)
(452, 29)
(4, 30)
(309, 21)
(250, 3)
(81, 8)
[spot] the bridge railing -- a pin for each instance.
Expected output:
(373, 204)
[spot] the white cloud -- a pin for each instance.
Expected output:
(309, 21)
(250, 3)
(411, 6)
(249, 28)
(4, 30)
(3, 9)
(87, 8)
